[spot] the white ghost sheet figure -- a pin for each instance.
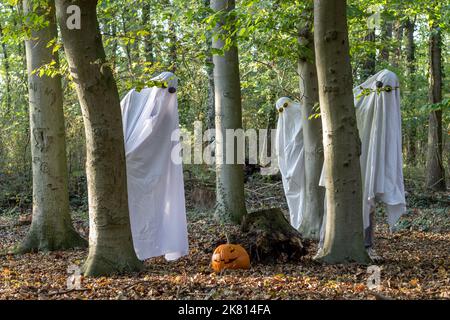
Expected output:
(291, 158)
(155, 180)
(379, 123)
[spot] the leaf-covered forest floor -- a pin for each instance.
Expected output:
(415, 260)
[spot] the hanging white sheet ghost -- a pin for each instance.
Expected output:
(378, 116)
(380, 129)
(291, 158)
(155, 181)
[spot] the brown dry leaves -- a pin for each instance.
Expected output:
(416, 265)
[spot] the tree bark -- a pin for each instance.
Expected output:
(386, 36)
(51, 227)
(127, 46)
(209, 65)
(398, 34)
(173, 46)
(210, 101)
(230, 178)
(312, 137)
(7, 72)
(368, 67)
(114, 46)
(172, 37)
(344, 225)
(148, 41)
(110, 243)
(411, 70)
(435, 168)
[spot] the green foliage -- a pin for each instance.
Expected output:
(179, 34)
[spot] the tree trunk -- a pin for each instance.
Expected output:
(127, 45)
(398, 34)
(110, 243)
(172, 37)
(435, 168)
(51, 227)
(411, 71)
(210, 103)
(230, 178)
(114, 46)
(368, 67)
(7, 73)
(272, 118)
(342, 147)
(312, 137)
(173, 46)
(386, 37)
(148, 41)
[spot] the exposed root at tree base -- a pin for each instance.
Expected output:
(269, 238)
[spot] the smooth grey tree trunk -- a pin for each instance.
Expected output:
(51, 227)
(110, 243)
(435, 179)
(312, 137)
(344, 225)
(230, 177)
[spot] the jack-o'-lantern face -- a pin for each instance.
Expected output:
(230, 256)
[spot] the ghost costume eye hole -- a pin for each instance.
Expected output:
(281, 110)
(388, 88)
(285, 105)
(379, 84)
(172, 90)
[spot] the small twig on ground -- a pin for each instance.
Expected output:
(268, 185)
(379, 296)
(66, 291)
(135, 284)
(269, 198)
(253, 191)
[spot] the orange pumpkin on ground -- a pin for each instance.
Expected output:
(230, 256)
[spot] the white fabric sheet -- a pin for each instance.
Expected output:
(379, 123)
(291, 158)
(155, 182)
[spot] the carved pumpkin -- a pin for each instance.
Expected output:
(230, 256)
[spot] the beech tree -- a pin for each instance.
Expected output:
(51, 227)
(110, 243)
(435, 168)
(312, 135)
(230, 177)
(7, 71)
(344, 225)
(411, 140)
